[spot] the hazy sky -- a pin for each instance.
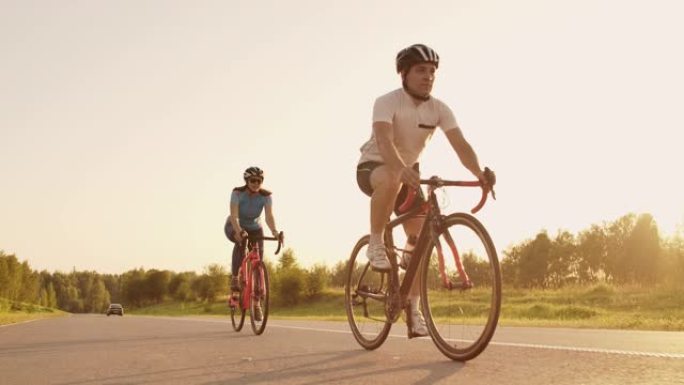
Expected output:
(124, 125)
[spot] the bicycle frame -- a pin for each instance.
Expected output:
(429, 231)
(249, 262)
(374, 299)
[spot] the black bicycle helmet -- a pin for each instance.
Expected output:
(253, 172)
(417, 53)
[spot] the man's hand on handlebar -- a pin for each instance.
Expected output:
(488, 180)
(410, 177)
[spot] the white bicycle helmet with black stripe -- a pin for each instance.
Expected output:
(417, 53)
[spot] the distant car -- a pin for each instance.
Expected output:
(115, 308)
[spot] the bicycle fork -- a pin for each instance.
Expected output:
(466, 283)
(259, 287)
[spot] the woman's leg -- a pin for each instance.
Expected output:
(237, 249)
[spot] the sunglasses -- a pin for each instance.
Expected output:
(255, 180)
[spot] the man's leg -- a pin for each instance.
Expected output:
(385, 184)
(417, 323)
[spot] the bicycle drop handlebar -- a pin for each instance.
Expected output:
(436, 182)
(280, 238)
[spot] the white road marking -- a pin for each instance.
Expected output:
(519, 345)
(510, 344)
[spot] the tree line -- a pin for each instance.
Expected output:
(628, 250)
(91, 292)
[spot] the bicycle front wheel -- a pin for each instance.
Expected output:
(237, 313)
(461, 287)
(364, 299)
(258, 305)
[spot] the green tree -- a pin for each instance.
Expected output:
(316, 280)
(29, 284)
(287, 259)
(157, 285)
(562, 261)
(672, 266)
(43, 297)
(5, 279)
(289, 280)
(534, 261)
(510, 264)
(132, 286)
(338, 274)
(642, 252)
(617, 233)
(180, 286)
(212, 283)
(591, 254)
(477, 268)
(98, 298)
(11, 274)
(74, 302)
(113, 285)
(51, 295)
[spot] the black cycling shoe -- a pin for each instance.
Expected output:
(235, 284)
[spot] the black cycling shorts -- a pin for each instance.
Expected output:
(363, 173)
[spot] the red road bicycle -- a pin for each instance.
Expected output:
(254, 289)
(460, 287)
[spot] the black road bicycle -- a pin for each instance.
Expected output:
(460, 287)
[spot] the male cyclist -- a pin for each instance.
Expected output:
(246, 204)
(403, 122)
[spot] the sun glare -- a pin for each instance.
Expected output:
(669, 220)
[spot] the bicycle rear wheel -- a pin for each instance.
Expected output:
(364, 299)
(461, 310)
(237, 313)
(260, 298)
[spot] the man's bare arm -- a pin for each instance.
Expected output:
(465, 152)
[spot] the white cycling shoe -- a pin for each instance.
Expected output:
(415, 324)
(378, 257)
(405, 259)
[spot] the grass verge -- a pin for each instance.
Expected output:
(598, 306)
(15, 312)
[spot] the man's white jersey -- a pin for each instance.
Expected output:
(413, 125)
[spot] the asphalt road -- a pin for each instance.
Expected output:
(95, 349)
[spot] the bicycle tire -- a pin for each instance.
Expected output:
(366, 314)
(462, 320)
(260, 294)
(237, 315)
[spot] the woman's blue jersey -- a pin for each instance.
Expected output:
(250, 205)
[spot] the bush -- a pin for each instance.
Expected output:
(290, 284)
(316, 281)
